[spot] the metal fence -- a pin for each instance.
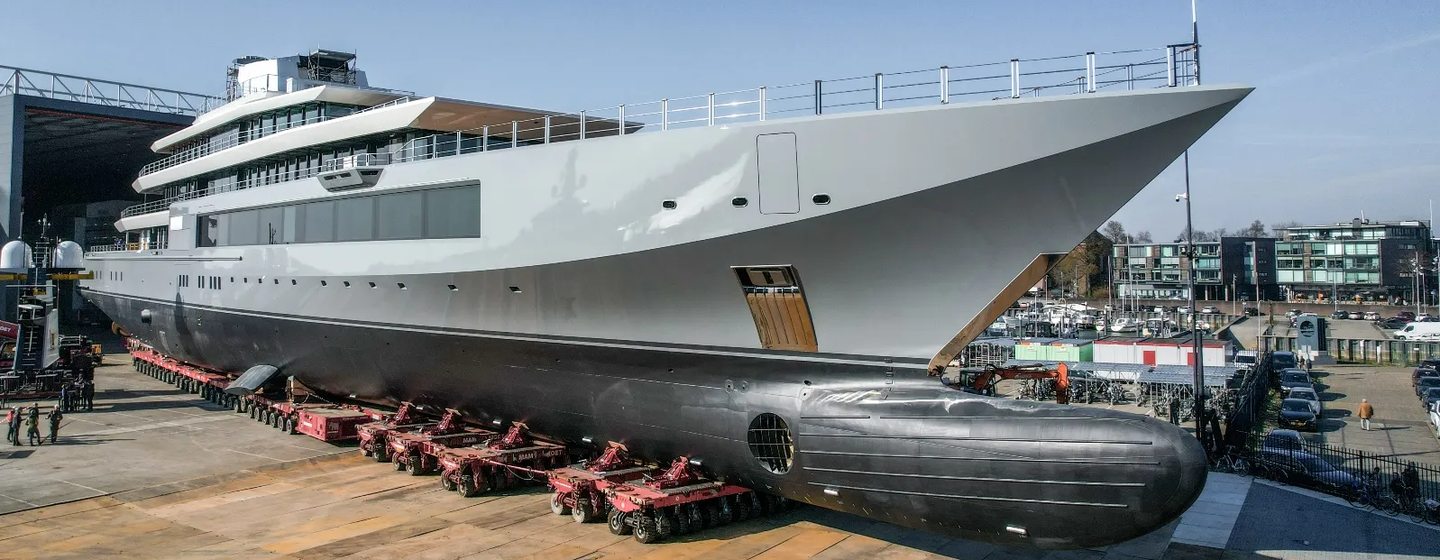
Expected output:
(1344, 472)
(1366, 350)
(22, 81)
(1247, 410)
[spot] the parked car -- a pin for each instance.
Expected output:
(1299, 467)
(1281, 439)
(1252, 311)
(1295, 413)
(1393, 323)
(1371, 316)
(1425, 318)
(1426, 383)
(1429, 398)
(1210, 309)
(1292, 313)
(1435, 419)
(1421, 373)
(1283, 360)
(1309, 396)
(1429, 363)
(1339, 314)
(1295, 378)
(1406, 315)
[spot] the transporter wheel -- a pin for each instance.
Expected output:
(557, 504)
(398, 462)
(447, 483)
(415, 464)
(726, 509)
(742, 506)
(252, 413)
(664, 523)
(382, 454)
(619, 523)
(365, 451)
(682, 520)
(645, 532)
(465, 487)
(291, 424)
(757, 505)
(697, 517)
(584, 510)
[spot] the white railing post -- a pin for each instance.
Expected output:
(514, 134)
(582, 125)
(710, 111)
(944, 84)
(1170, 66)
(762, 103)
(1014, 77)
(879, 91)
(621, 126)
(485, 138)
(547, 129)
(665, 114)
(1090, 72)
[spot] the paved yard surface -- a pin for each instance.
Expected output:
(162, 474)
(1400, 428)
(142, 433)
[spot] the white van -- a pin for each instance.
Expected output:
(1419, 331)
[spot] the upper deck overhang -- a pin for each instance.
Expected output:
(269, 101)
(430, 113)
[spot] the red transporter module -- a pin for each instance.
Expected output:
(416, 450)
(501, 462)
(373, 435)
(580, 489)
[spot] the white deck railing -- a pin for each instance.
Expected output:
(21, 81)
(1170, 66)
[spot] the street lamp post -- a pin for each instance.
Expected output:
(1199, 379)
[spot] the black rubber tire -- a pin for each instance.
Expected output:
(365, 451)
(583, 512)
(742, 507)
(619, 523)
(382, 454)
(290, 425)
(757, 507)
(644, 530)
(557, 504)
(682, 520)
(697, 517)
(397, 462)
(726, 509)
(711, 509)
(664, 523)
(466, 486)
(415, 464)
(447, 483)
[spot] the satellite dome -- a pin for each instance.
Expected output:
(16, 257)
(68, 254)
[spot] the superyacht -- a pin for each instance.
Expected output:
(763, 280)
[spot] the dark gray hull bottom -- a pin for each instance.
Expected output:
(885, 443)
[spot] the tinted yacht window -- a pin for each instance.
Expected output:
(452, 212)
(355, 219)
(400, 215)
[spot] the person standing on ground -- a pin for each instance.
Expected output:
(65, 395)
(55, 417)
(1366, 412)
(87, 392)
(15, 422)
(32, 424)
(12, 424)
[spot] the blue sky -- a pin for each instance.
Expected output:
(1342, 120)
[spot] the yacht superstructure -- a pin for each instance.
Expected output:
(676, 275)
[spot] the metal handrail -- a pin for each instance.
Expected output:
(207, 148)
(1170, 66)
(39, 83)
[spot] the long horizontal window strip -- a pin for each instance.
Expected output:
(443, 213)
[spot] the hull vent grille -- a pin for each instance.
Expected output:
(771, 443)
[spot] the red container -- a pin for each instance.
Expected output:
(330, 424)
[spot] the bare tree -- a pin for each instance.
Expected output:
(1115, 232)
(1142, 237)
(1278, 229)
(1256, 229)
